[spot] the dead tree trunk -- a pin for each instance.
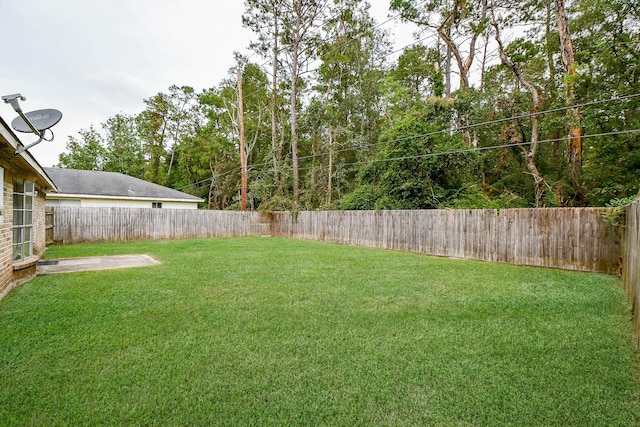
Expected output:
(529, 153)
(574, 157)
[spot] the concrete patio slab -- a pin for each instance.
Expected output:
(70, 265)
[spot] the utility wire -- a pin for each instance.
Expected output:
(491, 122)
(427, 155)
(490, 147)
(442, 131)
(464, 150)
(470, 126)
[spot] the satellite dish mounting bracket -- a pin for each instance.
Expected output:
(14, 101)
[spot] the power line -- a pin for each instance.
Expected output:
(474, 149)
(437, 154)
(490, 147)
(470, 126)
(522, 116)
(487, 123)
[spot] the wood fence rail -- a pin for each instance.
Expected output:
(567, 238)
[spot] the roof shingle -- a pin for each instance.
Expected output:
(82, 182)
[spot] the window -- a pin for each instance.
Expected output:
(23, 193)
(156, 205)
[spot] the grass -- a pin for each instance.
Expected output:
(285, 332)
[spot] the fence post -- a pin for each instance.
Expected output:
(49, 216)
(630, 263)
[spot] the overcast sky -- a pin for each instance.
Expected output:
(92, 59)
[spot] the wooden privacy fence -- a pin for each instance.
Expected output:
(91, 225)
(631, 260)
(572, 239)
(567, 238)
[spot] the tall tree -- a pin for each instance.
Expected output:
(182, 118)
(530, 149)
(455, 21)
(85, 153)
(419, 70)
(210, 157)
(263, 17)
(124, 151)
(347, 108)
(607, 45)
(301, 21)
(152, 126)
(573, 114)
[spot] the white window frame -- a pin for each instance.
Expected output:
(23, 206)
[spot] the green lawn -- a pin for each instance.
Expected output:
(270, 331)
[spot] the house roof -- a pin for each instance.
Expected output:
(112, 184)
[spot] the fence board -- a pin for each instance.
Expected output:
(631, 261)
(84, 225)
(574, 239)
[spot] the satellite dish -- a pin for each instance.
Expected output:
(34, 122)
(40, 119)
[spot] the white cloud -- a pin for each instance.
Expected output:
(92, 59)
(117, 90)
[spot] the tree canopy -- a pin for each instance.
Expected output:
(493, 106)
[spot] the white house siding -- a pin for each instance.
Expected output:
(117, 203)
(113, 203)
(179, 205)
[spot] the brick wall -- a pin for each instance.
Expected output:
(12, 274)
(6, 236)
(39, 242)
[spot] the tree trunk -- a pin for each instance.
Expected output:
(447, 75)
(294, 107)
(212, 186)
(294, 131)
(573, 114)
(484, 62)
(274, 99)
(330, 176)
(548, 39)
(529, 154)
(243, 158)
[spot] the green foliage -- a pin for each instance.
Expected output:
(124, 152)
(611, 167)
(472, 196)
(416, 67)
(416, 167)
(86, 153)
(616, 214)
(277, 203)
(369, 131)
(521, 50)
(363, 197)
